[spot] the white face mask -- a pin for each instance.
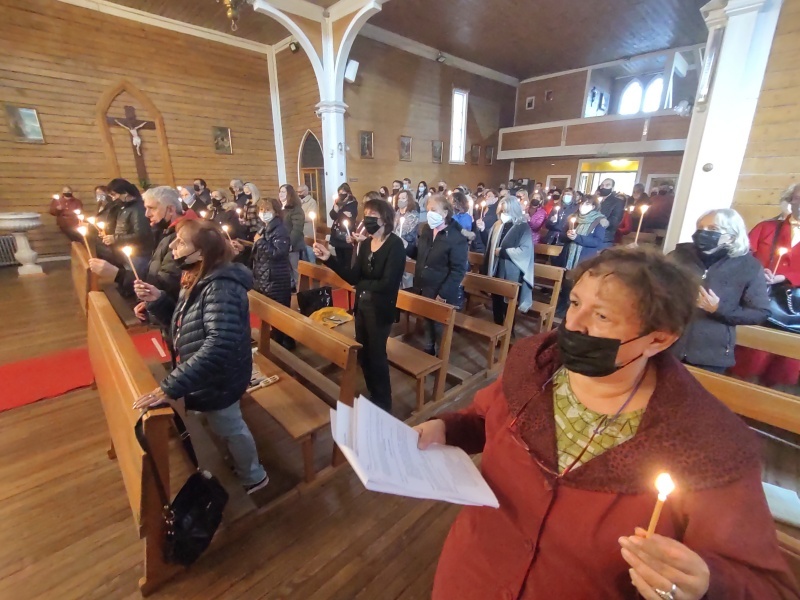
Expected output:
(567, 199)
(266, 216)
(435, 220)
(422, 188)
(100, 197)
(505, 218)
(585, 209)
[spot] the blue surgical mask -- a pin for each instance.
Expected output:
(435, 220)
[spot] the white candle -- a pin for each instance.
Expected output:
(101, 226)
(483, 209)
(665, 487)
(643, 208)
(346, 225)
(203, 214)
(56, 196)
(313, 216)
(128, 251)
(402, 222)
(225, 228)
(83, 230)
(781, 253)
(572, 222)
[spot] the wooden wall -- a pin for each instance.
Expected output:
(772, 159)
(59, 59)
(567, 102)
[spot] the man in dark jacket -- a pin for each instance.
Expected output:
(612, 207)
(132, 226)
(212, 361)
(201, 192)
(442, 255)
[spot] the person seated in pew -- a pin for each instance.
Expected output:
(376, 274)
(272, 269)
(509, 256)
(164, 211)
(574, 433)
(210, 323)
(732, 291)
(442, 255)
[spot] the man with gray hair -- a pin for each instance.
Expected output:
(164, 210)
(237, 189)
(309, 205)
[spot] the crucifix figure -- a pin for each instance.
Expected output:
(133, 125)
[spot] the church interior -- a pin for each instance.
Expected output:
(406, 202)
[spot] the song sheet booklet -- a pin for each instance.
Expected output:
(383, 452)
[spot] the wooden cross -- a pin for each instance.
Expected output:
(133, 125)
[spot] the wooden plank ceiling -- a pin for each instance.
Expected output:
(526, 38)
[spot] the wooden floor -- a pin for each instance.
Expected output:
(66, 529)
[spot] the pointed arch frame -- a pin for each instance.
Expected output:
(300, 151)
(104, 103)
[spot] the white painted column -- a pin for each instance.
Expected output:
(720, 127)
(277, 119)
(333, 144)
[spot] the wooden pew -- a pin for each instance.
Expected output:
(547, 281)
(313, 276)
(475, 261)
(771, 340)
(547, 251)
(121, 377)
(82, 277)
(299, 411)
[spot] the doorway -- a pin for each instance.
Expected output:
(624, 172)
(311, 167)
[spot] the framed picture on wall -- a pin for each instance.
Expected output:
(405, 148)
(365, 143)
(475, 154)
(489, 155)
(23, 124)
(437, 150)
(222, 140)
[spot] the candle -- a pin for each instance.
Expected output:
(101, 226)
(642, 208)
(346, 225)
(128, 251)
(665, 487)
(80, 217)
(56, 196)
(77, 211)
(572, 222)
(313, 216)
(203, 214)
(83, 230)
(93, 222)
(402, 222)
(781, 253)
(239, 211)
(483, 209)
(471, 206)
(225, 228)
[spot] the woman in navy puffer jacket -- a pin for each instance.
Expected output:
(211, 331)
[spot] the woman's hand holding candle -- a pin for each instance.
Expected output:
(313, 216)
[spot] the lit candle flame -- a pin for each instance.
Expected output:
(313, 215)
(128, 251)
(101, 225)
(665, 486)
(77, 211)
(203, 214)
(56, 196)
(483, 204)
(644, 208)
(782, 251)
(83, 230)
(239, 211)
(91, 220)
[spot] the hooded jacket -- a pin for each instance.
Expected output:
(210, 327)
(271, 268)
(441, 262)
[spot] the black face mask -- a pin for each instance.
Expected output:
(441, 188)
(67, 194)
(197, 188)
(705, 240)
(604, 192)
(371, 224)
(233, 191)
(588, 355)
(189, 261)
(249, 196)
(216, 202)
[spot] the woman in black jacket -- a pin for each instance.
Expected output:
(733, 290)
(211, 331)
(442, 255)
(376, 275)
(272, 270)
(343, 213)
(131, 226)
(295, 220)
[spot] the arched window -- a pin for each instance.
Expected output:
(652, 95)
(631, 101)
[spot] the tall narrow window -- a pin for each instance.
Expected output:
(652, 95)
(458, 128)
(631, 101)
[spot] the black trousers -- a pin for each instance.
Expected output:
(372, 331)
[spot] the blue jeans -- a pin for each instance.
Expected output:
(229, 424)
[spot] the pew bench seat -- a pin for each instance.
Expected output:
(413, 362)
(300, 412)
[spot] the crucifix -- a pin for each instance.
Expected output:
(133, 125)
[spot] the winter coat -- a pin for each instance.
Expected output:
(765, 246)
(294, 220)
(348, 211)
(739, 282)
(162, 271)
(516, 254)
(310, 205)
(441, 262)
(489, 218)
(556, 230)
(535, 223)
(272, 272)
(132, 228)
(408, 231)
(63, 209)
(227, 215)
(590, 239)
(211, 331)
(613, 208)
(557, 539)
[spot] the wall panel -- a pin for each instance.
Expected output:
(567, 102)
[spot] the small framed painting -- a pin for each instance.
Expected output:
(405, 148)
(438, 149)
(222, 140)
(365, 143)
(475, 154)
(489, 154)
(23, 124)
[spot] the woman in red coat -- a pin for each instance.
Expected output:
(573, 436)
(63, 208)
(765, 240)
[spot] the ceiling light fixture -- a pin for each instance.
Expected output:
(440, 58)
(232, 11)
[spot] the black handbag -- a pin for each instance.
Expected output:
(193, 517)
(784, 299)
(310, 301)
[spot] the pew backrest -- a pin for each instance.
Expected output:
(318, 275)
(769, 340)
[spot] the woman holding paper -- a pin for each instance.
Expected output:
(376, 274)
(573, 435)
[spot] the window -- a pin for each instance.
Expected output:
(631, 101)
(458, 129)
(652, 95)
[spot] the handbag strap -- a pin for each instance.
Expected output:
(142, 439)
